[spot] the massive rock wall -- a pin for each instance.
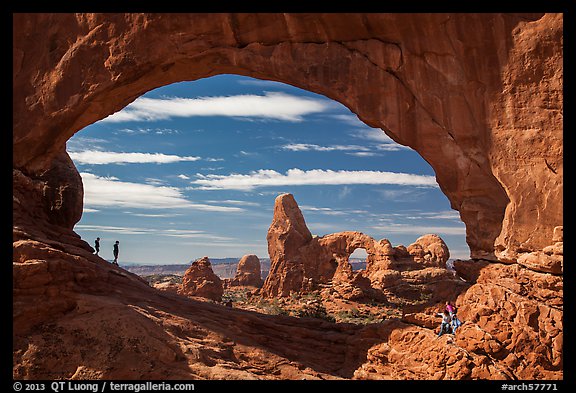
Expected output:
(479, 96)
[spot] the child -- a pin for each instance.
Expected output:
(445, 326)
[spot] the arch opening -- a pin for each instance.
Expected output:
(358, 259)
(192, 160)
(383, 98)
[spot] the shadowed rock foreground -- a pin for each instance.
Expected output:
(80, 317)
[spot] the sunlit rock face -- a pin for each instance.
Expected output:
(478, 96)
(300, 261)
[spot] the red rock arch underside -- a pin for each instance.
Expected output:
(479, 96)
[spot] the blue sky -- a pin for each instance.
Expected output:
(192, 169)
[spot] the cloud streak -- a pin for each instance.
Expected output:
(111, 192)
(362, 151)
(332, 212)
(421, 229)
(272, 105)
(95, 157)
(374, 135)
(313, 147)
(180, 233)
(298, 177)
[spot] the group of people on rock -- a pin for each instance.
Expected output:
(450, 322)
(115, 249)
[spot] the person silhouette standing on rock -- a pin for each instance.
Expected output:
(115, 251)
(97, 245)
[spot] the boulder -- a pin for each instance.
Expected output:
(201, 281)
(248, 272)
(429, 251)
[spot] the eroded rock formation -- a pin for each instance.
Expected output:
(300, 262)
(200, 280)
(445, 100)
(297, 260)
(248, 273)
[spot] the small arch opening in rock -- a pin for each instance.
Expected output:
(358, 259)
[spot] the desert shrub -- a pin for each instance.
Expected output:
(314, 309)
(272, 307)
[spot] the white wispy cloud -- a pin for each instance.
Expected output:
(332, 212)
(324, 210)
(313, 147)
(374, 135)
(236, 202)
(298, 177)
(263, 83)
(392, 146)
(181, 233)
(142, 130)
(96, 157)
(111, 192)
(420, 229)
(164, 215)
(368, 150)
(271, 105)
(113, 229)
(402, 195)
(79, 142)
(362, 154)
(438, 215)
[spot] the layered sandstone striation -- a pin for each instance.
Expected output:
(479, 96)
(201, 281)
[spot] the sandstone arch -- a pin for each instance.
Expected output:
(342, 244)
(300, 261)
(479, 96)
(450, 98)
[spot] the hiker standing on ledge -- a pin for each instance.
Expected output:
(115, 251)
(97, 245)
